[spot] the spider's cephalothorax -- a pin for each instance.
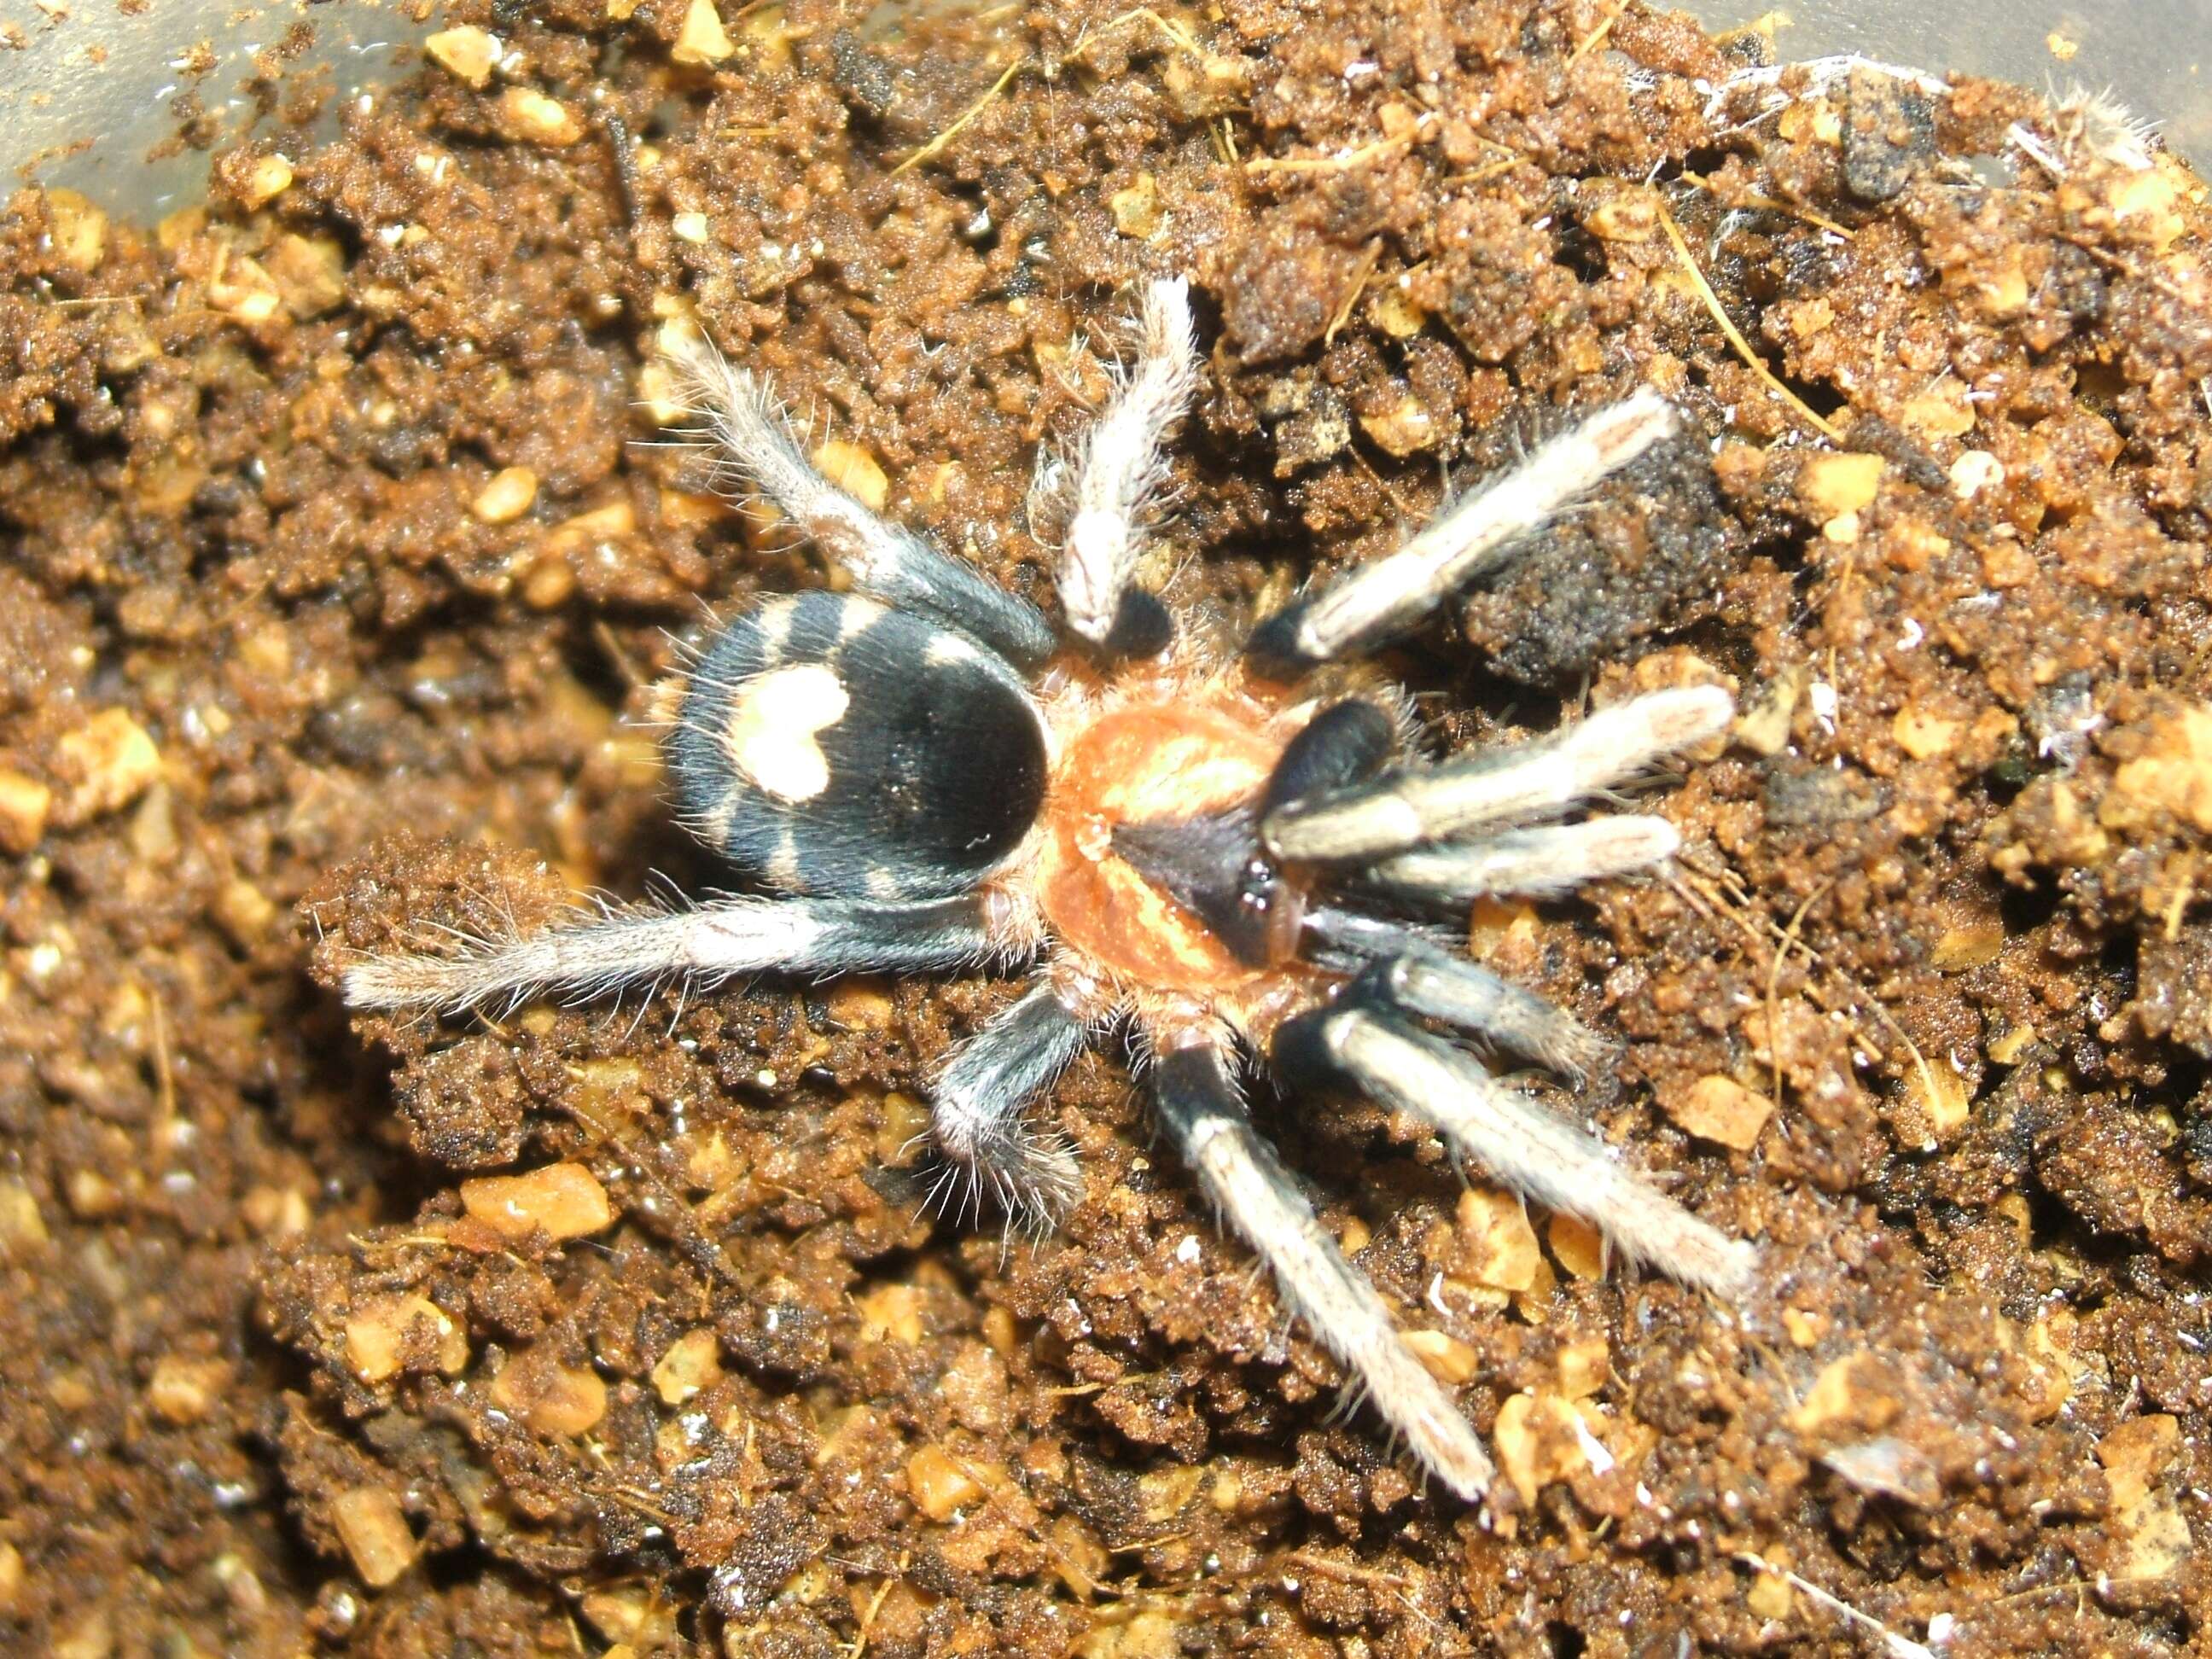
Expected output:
(1217, 846)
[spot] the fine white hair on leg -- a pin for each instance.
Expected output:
(1405, 810)
(1472, 535)
(977, 1109)
(1120, 463)
(703, 946)
(1199, 1105)
(759, 451)
(1540, 863)
(1529, 1148)
(1444, 988)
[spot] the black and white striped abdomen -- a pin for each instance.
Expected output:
(830, 746)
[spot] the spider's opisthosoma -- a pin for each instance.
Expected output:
(1218, 848)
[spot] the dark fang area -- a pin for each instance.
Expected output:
(1215, 868)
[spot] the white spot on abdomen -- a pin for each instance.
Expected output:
(771, 738)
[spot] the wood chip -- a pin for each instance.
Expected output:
(855, 471)
(183, 1391)
(1448, 1359)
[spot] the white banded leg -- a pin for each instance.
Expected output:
(1444, 988)
(891, 564)
(1540, 863)
(1121, 465)
(1361, 610)
(703, 946)
(977, 1111)
(1404, 810)
(1199, 1106)
(1523, 1144)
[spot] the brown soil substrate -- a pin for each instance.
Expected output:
(285, 674)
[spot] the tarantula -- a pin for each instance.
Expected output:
(1214, 848)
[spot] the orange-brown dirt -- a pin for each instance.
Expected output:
(340, 558)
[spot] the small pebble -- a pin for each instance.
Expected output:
(244, 912)
(24, 804)
(1405, 429)
(552, 1399)
(1539, 1439)
(1137, 210)
(692, 1364)
(506, 497)
(565, 1199)
(1621, 212)
(1975, 470)
(1718, 1108)
(892, 1311)
(702, 41)
(1448, 1359)
(373, 1530)
(308, 271)
(1497, 1247)
(855, 471)
(1768, 1594)
(528, 116)
(110, 762)
(940, 1488)
(1585, 1366)
(92, 1196)
(1922, 734)
(22, 1229)
(184, 1391)
(242, 289)
(264, 180)
(378, 1335)
(1831, 485)
(80, 230)
(1579, 1246)
(468, 53)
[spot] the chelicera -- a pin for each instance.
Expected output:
(1226, 851)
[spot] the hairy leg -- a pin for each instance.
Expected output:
(703, 946)
(1119, 467)
(1475, 534)
(1540, 863)
(885, 561)
(977, 1109)
(1199, 1106)
(1404, 810)
(1527, 1147)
